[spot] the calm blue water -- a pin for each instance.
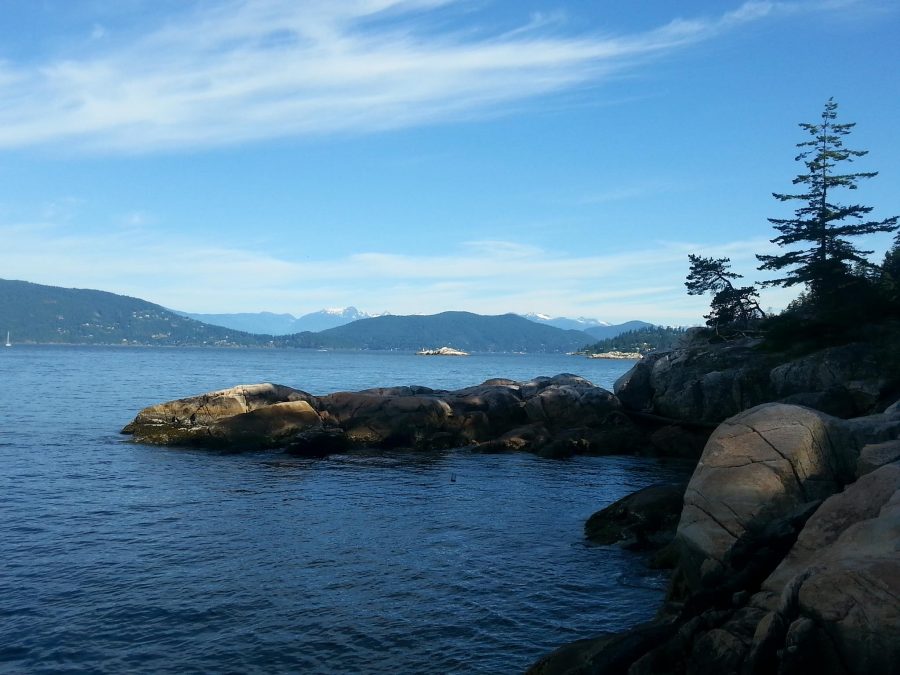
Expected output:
(119, 557)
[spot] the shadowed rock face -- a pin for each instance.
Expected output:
(557, 416)
(645, 519)
(761, 465)
(711, 382)
(701, 384)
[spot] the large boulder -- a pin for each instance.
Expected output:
(838, 589)
(572, 404)
(401, 417)
(789, 563)
(764, 464)
(193, 420)
(271, 426)
(763, 470)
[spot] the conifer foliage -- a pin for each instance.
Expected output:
(731, 305)
(819, 253)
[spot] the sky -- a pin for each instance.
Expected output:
(417, 156)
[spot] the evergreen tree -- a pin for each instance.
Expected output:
(890, 274)
(730, 305)
(822, 257)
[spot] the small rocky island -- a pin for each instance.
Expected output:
(617, 355)
(442, 351)
(553, 416)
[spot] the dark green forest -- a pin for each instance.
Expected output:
(643, 340)
(461, 330)
(33, 313)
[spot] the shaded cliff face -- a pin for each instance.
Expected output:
(707, 383)
(554, 416)
(789, 542)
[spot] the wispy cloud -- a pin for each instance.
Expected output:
(489, 277)
(245, 70)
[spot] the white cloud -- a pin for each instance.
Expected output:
(245, 70)
(487, 277)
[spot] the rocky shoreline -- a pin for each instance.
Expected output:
(785, 543)
(617, 356)
(787, 555)
(786, 551)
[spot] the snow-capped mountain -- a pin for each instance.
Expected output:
(328, 318)
(581, 323)
(268, 323)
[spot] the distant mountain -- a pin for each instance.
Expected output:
(33, 313)
(281, 324)
(328, 318)
(263, 323)
(581, 323)
(36, 313)
(606, 332)
(462, 330)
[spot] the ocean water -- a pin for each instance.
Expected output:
(118, 557)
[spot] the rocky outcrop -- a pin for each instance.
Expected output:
(760, 466)
(555, 416)
(847, 380)
(789, 561)
(707, 383)
(701, 383)
(267, 413)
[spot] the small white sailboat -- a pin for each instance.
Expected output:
(8, 343)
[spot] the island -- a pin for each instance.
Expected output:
(616, 355)
(441, 351)
(551, 416)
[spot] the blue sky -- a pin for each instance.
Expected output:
(416, 156)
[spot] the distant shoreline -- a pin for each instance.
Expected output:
(634, 356)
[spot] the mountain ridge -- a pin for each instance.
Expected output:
(51, 314)
(462, 330)
(36, 313)
(271, 323)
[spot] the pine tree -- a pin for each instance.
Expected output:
(824, 259)
(731, 305)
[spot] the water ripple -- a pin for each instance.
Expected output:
(120, 557)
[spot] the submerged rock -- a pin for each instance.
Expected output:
(555, 416)
(645, 519)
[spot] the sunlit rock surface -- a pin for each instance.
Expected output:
(557, 416)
